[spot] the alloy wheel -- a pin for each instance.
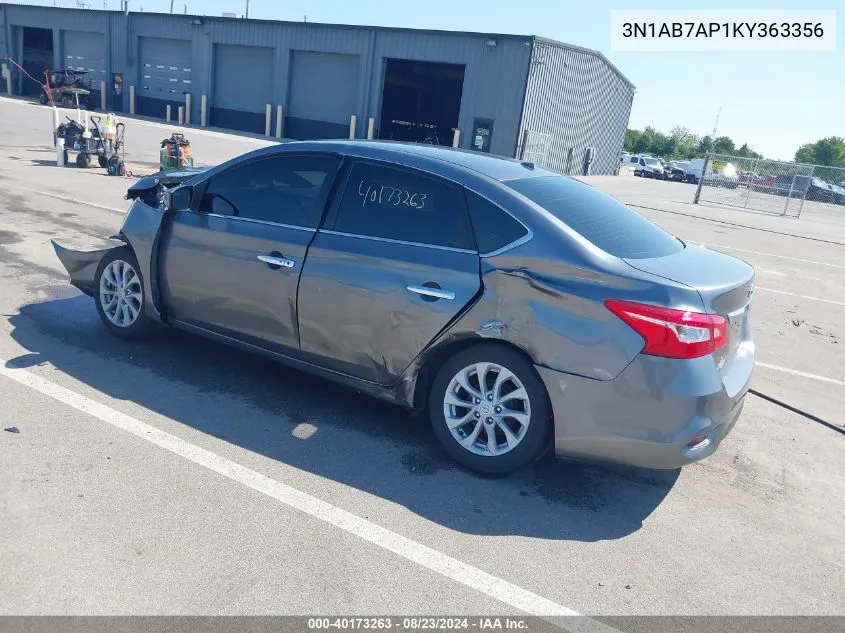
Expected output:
(487, 409)
(121, 295)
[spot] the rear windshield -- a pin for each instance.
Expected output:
(600, 218)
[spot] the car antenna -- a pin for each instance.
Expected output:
(528, 164)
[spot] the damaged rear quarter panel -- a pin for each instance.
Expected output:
(557, 317)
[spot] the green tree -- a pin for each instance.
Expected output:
(828, 151)
(685, 142)
(723, 145)
(631, 139)
(747, 152)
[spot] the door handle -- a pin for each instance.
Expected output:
(272, 260)
(435, 293)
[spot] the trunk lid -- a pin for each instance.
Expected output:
(724, 283)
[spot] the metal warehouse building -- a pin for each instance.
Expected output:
(555, 104)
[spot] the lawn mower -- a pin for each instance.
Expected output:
(67, 88)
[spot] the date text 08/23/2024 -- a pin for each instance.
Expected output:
(418, 623)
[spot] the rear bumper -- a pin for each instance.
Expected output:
(650, 413)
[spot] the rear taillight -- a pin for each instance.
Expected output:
(673, 333)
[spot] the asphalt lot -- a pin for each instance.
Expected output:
(182, 477)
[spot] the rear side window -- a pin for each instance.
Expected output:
(598, 217)
(398, 204)
(493, 227)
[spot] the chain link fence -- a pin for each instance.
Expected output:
(780, 188)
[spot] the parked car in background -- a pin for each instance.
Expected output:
(520, 309)
(648, 167)
(757, 182)
(675, 172)
(807, 187)
(838, 194)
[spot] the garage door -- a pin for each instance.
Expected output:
(165, 75)
(87, 51)
(242, 87)
(323, 94)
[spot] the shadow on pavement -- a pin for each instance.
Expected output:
(355, 440)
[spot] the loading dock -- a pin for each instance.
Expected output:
(242, 87)
(165, 75)
(421, 101)
(87, 52)
(36, 57)
(323, 94)
(511, 95)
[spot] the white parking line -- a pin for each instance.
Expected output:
(794, 259)
(792, 294)
(402, 546)
(803, 374)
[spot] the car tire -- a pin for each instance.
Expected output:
(129, 320)
(517, 439)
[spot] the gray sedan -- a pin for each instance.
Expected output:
(521, 309)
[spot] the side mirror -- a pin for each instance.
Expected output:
(178, 198)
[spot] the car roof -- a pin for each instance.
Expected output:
(437, 158)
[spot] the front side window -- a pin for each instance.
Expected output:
(282, 189)
(399, 204)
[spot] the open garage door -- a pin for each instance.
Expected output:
(323, 93)
(87, 52)
(242, 87)
(37, 57)
(165, 75)
(421, 101)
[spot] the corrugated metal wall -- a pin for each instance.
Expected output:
(575, 100)
(574, 95)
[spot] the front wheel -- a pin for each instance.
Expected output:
(489, 409)
(120, 295)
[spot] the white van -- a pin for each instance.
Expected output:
(648, 167)
(724, 175)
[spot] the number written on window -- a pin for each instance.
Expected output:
(391, 196)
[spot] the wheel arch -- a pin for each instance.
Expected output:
(435, 359)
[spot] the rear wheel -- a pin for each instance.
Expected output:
(101, 160)
(120, 295)
(489, 409)
(83, 160)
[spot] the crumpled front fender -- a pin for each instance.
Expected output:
(82, 265)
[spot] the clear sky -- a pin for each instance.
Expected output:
(773, 101)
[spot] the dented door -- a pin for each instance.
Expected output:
(384, 278)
